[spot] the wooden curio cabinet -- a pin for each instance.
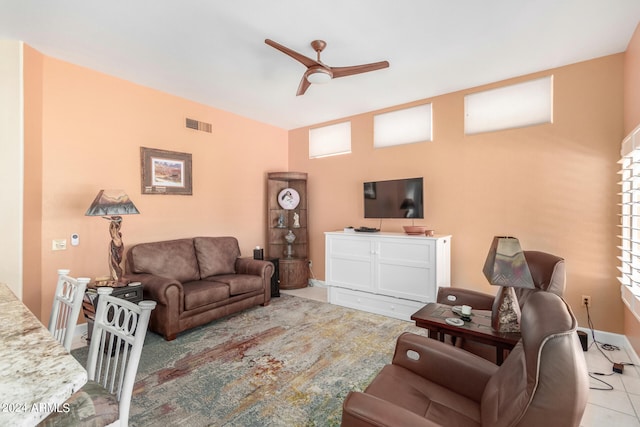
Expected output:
(287, 226)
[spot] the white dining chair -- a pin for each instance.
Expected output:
(119, 330)
(67, 303)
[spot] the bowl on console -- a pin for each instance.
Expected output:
(414, 230)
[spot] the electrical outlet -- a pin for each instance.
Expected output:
(586, 300)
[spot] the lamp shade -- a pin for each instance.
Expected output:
(506, 265)
(111, 202)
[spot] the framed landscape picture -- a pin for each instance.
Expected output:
(165, 172)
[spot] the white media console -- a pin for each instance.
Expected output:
(392, 274)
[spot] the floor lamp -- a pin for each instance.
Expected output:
(111, 204)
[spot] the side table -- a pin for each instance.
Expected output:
(131, 293)
(433, 317)
(275, 279)
(294, 273)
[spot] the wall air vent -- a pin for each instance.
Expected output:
(197, 125)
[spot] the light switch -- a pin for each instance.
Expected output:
(59, 244)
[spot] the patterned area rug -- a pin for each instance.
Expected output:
(288, 364)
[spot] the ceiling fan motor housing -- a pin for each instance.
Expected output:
(318, 75)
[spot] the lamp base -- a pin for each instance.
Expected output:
(505, 314)
(116, 248)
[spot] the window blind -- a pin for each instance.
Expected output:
(518, 105)
(330, 140)
(630, 221)
(405, 126)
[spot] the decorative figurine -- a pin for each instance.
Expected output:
(296, 220)
(290, 238)
(280, 221)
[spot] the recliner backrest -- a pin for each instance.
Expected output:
(548, 272)
(544, 380)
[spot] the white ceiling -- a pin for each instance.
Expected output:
(213, 52)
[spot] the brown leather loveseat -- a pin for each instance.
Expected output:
(543, 382)
(197, 280)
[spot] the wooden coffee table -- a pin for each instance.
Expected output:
(432, 317)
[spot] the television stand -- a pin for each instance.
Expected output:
(392, 274)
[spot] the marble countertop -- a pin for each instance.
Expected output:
(37, 375)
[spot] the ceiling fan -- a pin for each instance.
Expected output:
(317, 71)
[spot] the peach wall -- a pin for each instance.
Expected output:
(93, 126)
(631, 120)
(553, 186)
(32, 221)
(12, 171)
(632, 83)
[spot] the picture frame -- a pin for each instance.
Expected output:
(165, 172)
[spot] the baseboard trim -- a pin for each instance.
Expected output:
(317, 283)
(81, 330)
(618, 340)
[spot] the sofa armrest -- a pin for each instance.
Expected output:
(156, 287)
(446, 365)
(363, 410)
(255, 267)
(460, 296)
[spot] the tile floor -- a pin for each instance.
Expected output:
(618, 407)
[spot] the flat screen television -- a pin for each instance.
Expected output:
(397, 198)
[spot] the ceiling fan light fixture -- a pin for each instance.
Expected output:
(318, 72)
(318, 76)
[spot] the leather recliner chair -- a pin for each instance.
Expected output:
(548, 272)
(544, 381)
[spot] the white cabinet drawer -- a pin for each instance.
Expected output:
(379, 304)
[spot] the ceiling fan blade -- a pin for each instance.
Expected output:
(358, 69)
(308, 62)
(304, 85)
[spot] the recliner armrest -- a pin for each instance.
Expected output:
(477, 300)
(446, 365)
(362, 410)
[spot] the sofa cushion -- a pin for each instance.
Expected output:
(239, 283)
(174, 259)
(201, 293)
(216, 255)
